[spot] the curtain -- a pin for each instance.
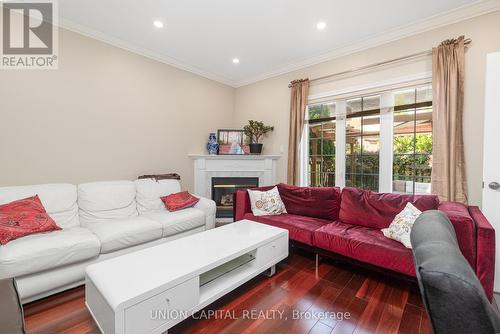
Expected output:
(298, 104)
(448, 164)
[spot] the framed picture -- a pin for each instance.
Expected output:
(232, 142)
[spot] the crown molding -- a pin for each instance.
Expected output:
(119, 43)
(462, 13)
(477, 8)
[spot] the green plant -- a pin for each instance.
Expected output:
(254, 130)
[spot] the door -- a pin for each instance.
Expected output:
(491, 168)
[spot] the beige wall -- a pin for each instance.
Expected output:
(268, 100)
(108, 114)
(105, 114)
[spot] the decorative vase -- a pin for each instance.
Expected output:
(256, 148)
(212, 145)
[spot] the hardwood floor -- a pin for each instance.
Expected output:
(376, 304)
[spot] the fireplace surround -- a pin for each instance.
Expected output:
(208, 168)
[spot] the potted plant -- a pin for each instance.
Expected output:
(254, 130)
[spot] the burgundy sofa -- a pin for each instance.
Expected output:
(348, 223)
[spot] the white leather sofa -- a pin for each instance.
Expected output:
(99, 220)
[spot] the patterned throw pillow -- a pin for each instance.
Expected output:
(400, 227)
(179, 201)
(24, 217)
(266, 203)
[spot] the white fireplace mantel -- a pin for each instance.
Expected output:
(208, 166)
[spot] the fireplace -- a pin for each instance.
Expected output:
(223, 189)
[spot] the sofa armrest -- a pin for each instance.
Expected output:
(485, 263)
(207, 206)
(464, 226)
(241, 204)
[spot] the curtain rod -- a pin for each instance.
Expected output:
(382, 63)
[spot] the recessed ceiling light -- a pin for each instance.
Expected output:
(321, 25)
(158, 24)
(236, 61)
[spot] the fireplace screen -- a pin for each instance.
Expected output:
(223, 189)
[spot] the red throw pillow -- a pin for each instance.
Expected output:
(24, 217)
(178, 201)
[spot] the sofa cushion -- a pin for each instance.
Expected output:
(149, 192)
(318, 202)
(300, 228)
(59, 200)
(39, 252)
(103, 201)
(24, 217)
(366, 245)
(177, 221)
(123, 233)
(377, 210)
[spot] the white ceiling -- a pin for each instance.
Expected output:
(268, 36)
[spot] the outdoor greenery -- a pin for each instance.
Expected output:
(254, 130)
(405, 157)
(320, 111)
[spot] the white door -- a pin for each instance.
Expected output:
(491, 169)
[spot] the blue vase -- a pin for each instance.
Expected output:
(212, 146)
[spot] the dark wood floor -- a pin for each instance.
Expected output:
(376, 304)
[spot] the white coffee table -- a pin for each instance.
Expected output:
(151, 290)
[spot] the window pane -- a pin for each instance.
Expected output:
(353, 164)
(329, 130)
(353, 145)
(403, 144)
(403, 97)
(371, 144)
(328, 164)
(314, 130)
(371, 125)
(370, 164)
(370, 182)
(314, 146)
(423, 120)
(423, 143)
(423, 165)
(353, 138)
(354, 105)
(314, 180)
(371, 102)
(328, 147)
(321, 111)
(424, 94)
(404, 122)
(353, 126)
(403, 165)
(329, 180)
(412, 146)
(315, 164)
(353, 180)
